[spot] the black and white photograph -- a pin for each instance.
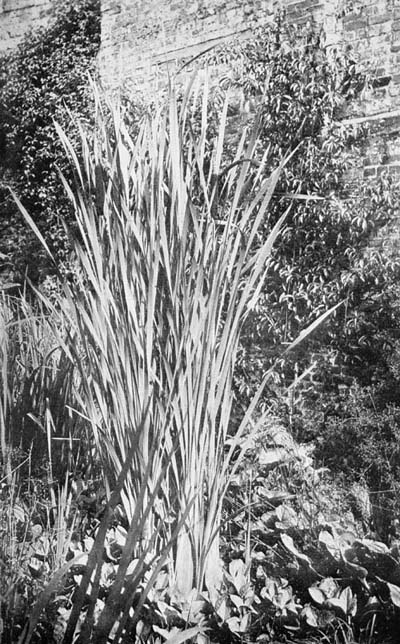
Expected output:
(199, 322)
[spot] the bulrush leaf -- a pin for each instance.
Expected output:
(184, 564)
(168, 269)
(32, 224)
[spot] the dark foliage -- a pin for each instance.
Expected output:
(324, 256)
(42, 81)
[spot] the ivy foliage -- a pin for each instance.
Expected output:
(42, 81)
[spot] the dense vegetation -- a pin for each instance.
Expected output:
(164, 434)
(43, 81)
(323, 257)
(300, 94)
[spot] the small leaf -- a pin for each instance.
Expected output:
(88, 543)
(346, 539)
(120, 535)
(244, 623)
(338, 603)
(329, 587)
(375, 546)
(273, 456)
(238, 573)
(394, 594)
(132, 567)
(317, 595)
(310, 615)
(350, 600)
(330, 543)
(236, 600)
(289, 545)
(222, 610)
(19, 513)
(35, 566)
(287, 517)
(36, 531)
(233, 624)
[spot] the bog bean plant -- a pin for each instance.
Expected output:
(198, 439)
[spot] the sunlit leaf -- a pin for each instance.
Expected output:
(394, 594)
(289, 545)
(317, 595)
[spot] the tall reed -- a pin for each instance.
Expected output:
(35, 380)
(167, 271)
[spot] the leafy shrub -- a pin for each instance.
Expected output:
(306, 568)
(300, 94)
(41, 81)
(356, 434)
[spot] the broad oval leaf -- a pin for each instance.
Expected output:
(375, 546)
(317, 595)
(394, 594)
(289, 545)
(338, 603)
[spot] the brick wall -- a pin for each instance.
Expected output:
(18, 16)
(142, 39)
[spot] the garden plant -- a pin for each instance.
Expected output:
(169, 407)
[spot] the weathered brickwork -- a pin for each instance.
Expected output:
(142, 39)
(18, 16)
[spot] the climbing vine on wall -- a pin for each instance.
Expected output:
(300, 94)
(44, 80)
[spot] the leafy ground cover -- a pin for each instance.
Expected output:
(165, 437)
